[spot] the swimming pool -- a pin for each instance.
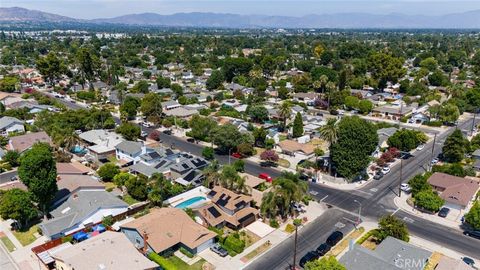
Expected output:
(77, 149)
(189, 202)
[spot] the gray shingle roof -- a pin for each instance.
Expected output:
(78, 207)
(129, 147)
(6, 121)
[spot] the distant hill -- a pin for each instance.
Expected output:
(467, 20)
(16, 14)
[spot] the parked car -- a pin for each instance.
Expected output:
(334, 238)
(323, 249)
(378, 175)
(471, 233)
(468, 261)
(237, 155)
(13, 178)
(310, 256)
(265, 177)
(385, 169)
(268, 164)
(167, 131)
(434, 161)
(146, 124)
(143, 134)
(444, 212)
(219, 250)
(405, 188)
(191, 140)
(420, 147)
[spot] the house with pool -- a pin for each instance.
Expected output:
(168, 229)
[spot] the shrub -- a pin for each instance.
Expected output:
(66, 239)
(274, 223)
(164, 263)
(86, 95)
(290, 228)
(434, 123)
(428, 200)
(365, 236)
(108, 171)
(154, 135)
(234, 243)
(186, 252)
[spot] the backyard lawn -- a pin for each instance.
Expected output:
(129, 199)
(26, 237)
(183, 266)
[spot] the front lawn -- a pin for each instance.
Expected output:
(26, 237)
(181, 265)
(8, 243)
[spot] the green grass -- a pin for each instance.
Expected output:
(26, 237)
(184, 266)
(109, 186)
(129, 199)
(8, 243)
(284, 163)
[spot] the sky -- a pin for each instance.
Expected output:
(88, 9)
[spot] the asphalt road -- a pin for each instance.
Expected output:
(376, 198)
(309, 238)
(7, 176)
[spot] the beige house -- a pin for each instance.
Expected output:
(109, 250)
(256, 187)
(457, 192)
(296, 149)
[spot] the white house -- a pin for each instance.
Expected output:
(11, 124)
(129, 153)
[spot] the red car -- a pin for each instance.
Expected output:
(266, 177)
(236, 155)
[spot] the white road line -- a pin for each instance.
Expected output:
(364, 192)
(393, 214)
(324, 198)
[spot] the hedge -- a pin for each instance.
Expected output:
(186, 252)
(234, 244)
(164, 263)
(365, 236)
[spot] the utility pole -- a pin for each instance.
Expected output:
(296, 223)
(473, 123)
(359, 212)
(433, 148)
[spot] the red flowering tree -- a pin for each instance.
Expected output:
(269, 155)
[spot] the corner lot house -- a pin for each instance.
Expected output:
(109, 250)
(168, 229)
(391, 254)
(82, 209)
(457, 192)
(227, 209)
(10, 124)
(296, 149)
(24, 142)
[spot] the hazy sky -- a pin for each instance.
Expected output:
(110, 8)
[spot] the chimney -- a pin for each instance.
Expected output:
(145, 243)
(177, 160)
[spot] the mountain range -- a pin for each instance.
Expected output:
(466, 20)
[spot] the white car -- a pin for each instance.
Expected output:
(420, 147)
(385, 170)
(434, 161)
(405, 187)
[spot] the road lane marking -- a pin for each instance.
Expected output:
(407, 219)
(394, 212)
(323, 198)
(314, 193)
(340, 224)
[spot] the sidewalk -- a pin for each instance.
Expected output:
(452, 220)
(435, 247)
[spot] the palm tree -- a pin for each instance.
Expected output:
(284, 112)
(323, 82)
(212, 176)
(329, 133)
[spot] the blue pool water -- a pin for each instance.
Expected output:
(77, 149)
(189, 202)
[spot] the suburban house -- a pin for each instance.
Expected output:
(384, 134)
(181, 112)
(476, 154)
(80, 210)
(296, 149)
(447, 263)
(457, 192)
(307, 98)
(227, 209)
(101, 143)
(168, 229)
(257, 187)
(11, 124)
(73, 168)
(419, 118)
(392, 112)
(108, 250)
(24, 142)
(391, 254)
(128, 152)
(169, 105)
(69, 184)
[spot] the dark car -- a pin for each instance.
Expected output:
(167, 131)
(474, 234)
(323, 249)
(443, 212)
(468, 261)
(219, 250)
(310, 256)
(378, 175)
(303, 177)
(191, 140)
(334, 238)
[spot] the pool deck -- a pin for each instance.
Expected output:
(196, 192)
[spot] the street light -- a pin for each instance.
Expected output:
(359, 211)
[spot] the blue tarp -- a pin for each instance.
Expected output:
(80, 236)
(99, 228)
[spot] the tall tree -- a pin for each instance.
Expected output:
(16, 204)
(297, 129)
(88, 64)
(51, 67)
(455, 147)
(284, 112)
(329, 132)
(325, 263)
(391, 226)
(129, 107)
(38, 172)
(151, 107)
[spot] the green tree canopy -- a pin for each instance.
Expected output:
(17, 204)
(201, 127)
(473, 216)
(108, 171)
(428, 200)
(38, 172)
(455, 147)
(391, 226)
(297, 129)
(357, 139)
(151, 106)
(130, 106)
(215, 80)
(406, 139)
(325, 263)
(129, 131)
